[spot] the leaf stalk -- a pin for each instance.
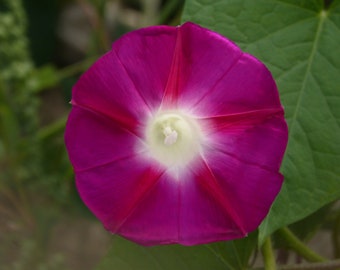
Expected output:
(299, 247)
(268, 255)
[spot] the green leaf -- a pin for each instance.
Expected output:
(299, 41)
(232, 255)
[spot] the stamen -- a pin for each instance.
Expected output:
(170, 135)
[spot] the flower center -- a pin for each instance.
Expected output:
(173, 138)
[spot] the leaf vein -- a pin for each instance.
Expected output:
(308, 71)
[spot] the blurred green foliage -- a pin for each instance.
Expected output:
(29, 158)
(18, 103)
(38, 64)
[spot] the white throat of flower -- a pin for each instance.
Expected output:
(173, 138)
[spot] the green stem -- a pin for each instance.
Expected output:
(75, 68)
(336, 236)
(64, 73)
(168, 10)
(52, 129)
(299, 247)
(268, 255)
(329, 265)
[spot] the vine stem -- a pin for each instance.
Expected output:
(336, 236)
(52, 129)
(299, 247)
(166, 12)
(76, 68)
(329, 265)
(268, 255)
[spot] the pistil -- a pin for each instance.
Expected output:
(170, 135)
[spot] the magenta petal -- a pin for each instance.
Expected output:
(206, 58)
(156, 218)
(249, 188)
(114, 191)
(94, 140)
(247, 86)
(133, 198)
(180, 211)
(206, 214)
(146, 56)
(106, 88)
(134, 75)
(260, 141)
(172, 89)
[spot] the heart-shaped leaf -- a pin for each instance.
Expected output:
(299, 41)
(232, 255)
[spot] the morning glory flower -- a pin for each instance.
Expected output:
(177, 136)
